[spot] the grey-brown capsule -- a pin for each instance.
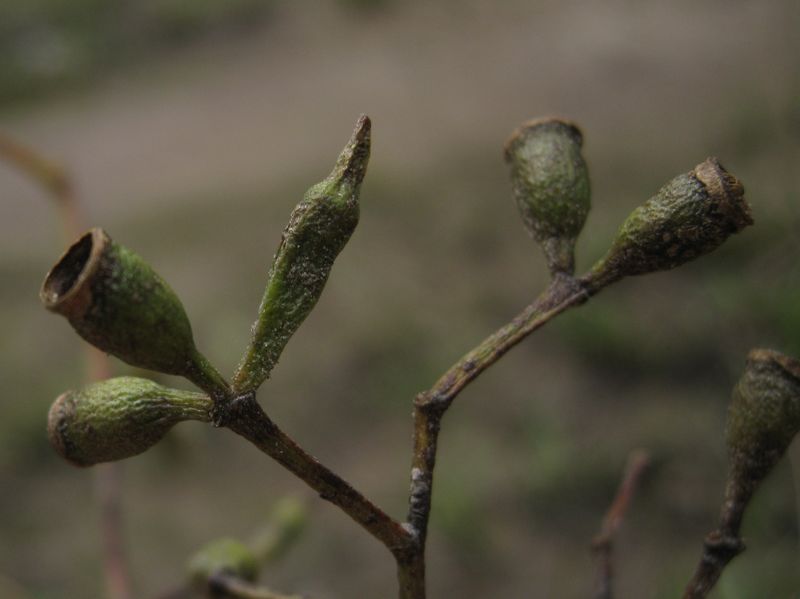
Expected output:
(550, 184)
(690, 216)
(763, 419)
(118, 418)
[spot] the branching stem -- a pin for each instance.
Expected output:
(563, 293)
(244, 416)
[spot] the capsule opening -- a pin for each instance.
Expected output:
(72, 269)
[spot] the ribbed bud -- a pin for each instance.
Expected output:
(318, 229)
(690, 216)
(763, 418)
(223, 556)
(550, 183)
(115, 301)
(119, 418)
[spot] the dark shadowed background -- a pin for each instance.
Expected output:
(193, 128)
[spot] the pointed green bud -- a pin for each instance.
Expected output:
(690, 216)
(318, 229)
(550, 183)
(763, 418)
(223, 556)
(115, 301)
(119, 418)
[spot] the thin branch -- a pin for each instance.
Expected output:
(719, 547)
(225, 586)
(602, 544)
(245, 417)
(563, 293)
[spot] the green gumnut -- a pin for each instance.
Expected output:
(550, 183)
(223, 556)
(119, 418)
(318, 229)
(115, 301)
(690, 216)
(763, 418)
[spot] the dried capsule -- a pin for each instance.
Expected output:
(318, 229)
(690, 216)
(223, 556)
(119, 418)
(763, 418)
(115, 301)
(550, 183)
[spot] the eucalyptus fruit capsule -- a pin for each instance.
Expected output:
(690, 216)
(763, 419)
(119, 418)
(117, 302)
(318, 229)
(223, 556)
(550, 184)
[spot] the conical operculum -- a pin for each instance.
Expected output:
(318, 229)
(763, 419)
(119, 418)
(690, 216)
(550, 184)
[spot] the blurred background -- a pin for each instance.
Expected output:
(191, 129)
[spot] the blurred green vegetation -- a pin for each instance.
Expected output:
(47, 46)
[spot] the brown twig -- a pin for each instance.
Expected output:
(55, 180)
(430, 406)
(245, 417)
(602, 544)
(721, 545)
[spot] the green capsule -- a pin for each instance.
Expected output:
(223, 556)
(690, 216)
(115, 301)
(119, 418)
(550, 183)
(763, 418)
(318, 229)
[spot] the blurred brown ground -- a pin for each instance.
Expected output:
(194, 157)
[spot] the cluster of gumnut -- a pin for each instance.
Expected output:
(117, 302)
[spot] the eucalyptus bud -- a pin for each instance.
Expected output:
(550, 183)
(223, 556)
(318, 229)
(690, 216)
(287, 522)
(115, 301)
(763, 418)
(119, 418)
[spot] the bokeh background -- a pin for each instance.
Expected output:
(193, 127)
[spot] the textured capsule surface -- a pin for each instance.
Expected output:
(550, 184)
(118, 418)
(690, 216)
(318, 229)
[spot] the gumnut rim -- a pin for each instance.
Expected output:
(65, 289)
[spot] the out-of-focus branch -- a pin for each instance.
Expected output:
(49, 175)
(602, 544)
(223, 586)
(55, 180)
